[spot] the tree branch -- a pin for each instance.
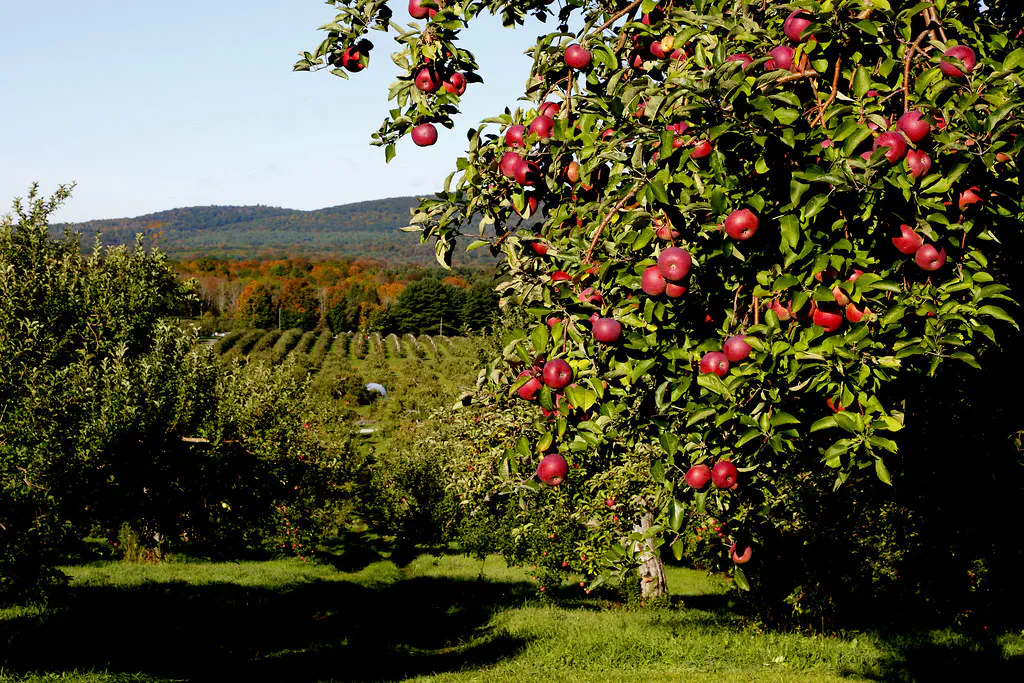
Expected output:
(615, 17)
(607, 219)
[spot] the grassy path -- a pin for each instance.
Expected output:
(437, 619)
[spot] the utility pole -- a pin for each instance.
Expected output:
(279, 318)
(441, 333)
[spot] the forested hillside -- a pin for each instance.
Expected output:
(364, 230)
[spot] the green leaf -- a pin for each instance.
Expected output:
(883, 474)
(748, 437)
(676, 515)
(741, 579)
(824, 423)
(677, 549)
(1014, 60)
(781, 419)
(669, 442)
(658, 471)
(998, 314)
(539, 336)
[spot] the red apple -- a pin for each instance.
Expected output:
(424, 135)
(542, 126)
(514, 136)
(741, 225)
(577, 57)
(782, 58)
(743, 58)
(698, 476)
(529, 390)
(652, 281)
(914, 126)
(716, 362)
(736, 349)
(724, 474)
(607, 330)
(552, 469)
(896, 143)
(795, 24)
(663, 229)
(674, 264)
(828, 317)
(783, 312)
(918, 163)
(426, 80)
(840, 296)
(929, 258)
(539, 248)
(964, 54)
(557, 374)
(455, 84)
(742, 558)
(560, 276)
(529, 207)
(550, 109)
(908, 242)
(969, 197)
(674, 291)
(854, 314)
(510, 161)
(572, 172)
(418, 11)
(702, 149)
(591, 296)
(527, 173)
(656, 50)
(350, 59)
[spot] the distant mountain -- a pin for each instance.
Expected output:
(369, 230)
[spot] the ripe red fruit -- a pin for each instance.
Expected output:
(455, 84)
(828, 317)
(542, 125)
(514, 136)
(840, 296)
(550, 109)
(350, 60)
(908, 242)
(741, 225)
(607, 330)
(783, 312)
(674, 291)
(664, 230)
(552, 469)
(510, 161)
(577, 57)
(918, 163)
(724, 474)
(854, 314)
(795, 24)
(539, 248)
(929, 258)
(740, 559)
(736, 348)
(782, 58)
(418, 11)
(674, 264)
(529, 208)
(591, 296)
(557, 374)
(702, 149)
(560, 276)
(572, 172)
(652, 281)
(743, 58)
(528, 391)
(716, 362)
(969, 197)
(527, 173)
(914, 126)
(656, 50)
(426, 80)
(698, 476)
(964, 54)
(424, 135)
(896, 143)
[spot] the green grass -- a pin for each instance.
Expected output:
(440, 618)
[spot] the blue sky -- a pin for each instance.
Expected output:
(150, 106)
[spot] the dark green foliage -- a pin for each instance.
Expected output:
(481, 307)
(427, 305)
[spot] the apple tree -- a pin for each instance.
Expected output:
(755, 222)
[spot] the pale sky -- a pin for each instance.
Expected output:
(156, 105)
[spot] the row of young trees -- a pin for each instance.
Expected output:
(764, 225)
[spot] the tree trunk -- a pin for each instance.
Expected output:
(652, 570)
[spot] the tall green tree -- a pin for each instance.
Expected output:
(428, 305)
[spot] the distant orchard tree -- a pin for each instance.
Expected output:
(255, 306)
(300, 305)
(481, 307)
(427, 304)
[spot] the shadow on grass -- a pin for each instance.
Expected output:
(316, 631)
(943, 656)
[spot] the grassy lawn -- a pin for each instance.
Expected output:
(446, 618)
